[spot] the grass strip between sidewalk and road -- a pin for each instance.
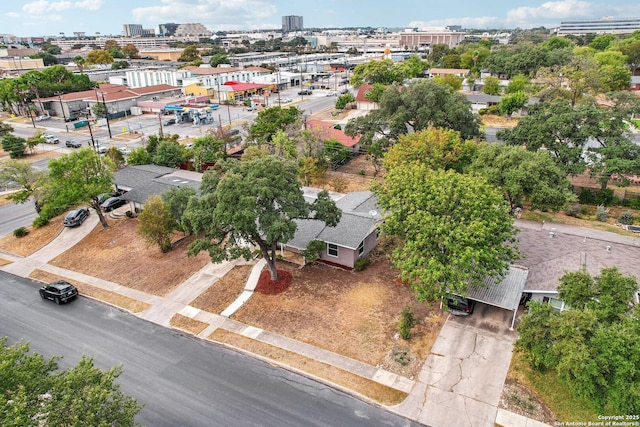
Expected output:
(368, 388)
(4, 261)
(188, 324)
(109, 297)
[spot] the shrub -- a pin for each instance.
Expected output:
(339, 184)
(361, 264)
(129, 214)
(626, 218)
(590, 196)
(407, 321)
(602, 213)
(574, 210)
(362, 172)
(313, 250)
(40, 221)
(20, 232)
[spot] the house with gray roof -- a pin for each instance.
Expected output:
(353, 238)
(138, 183)
(551, 250)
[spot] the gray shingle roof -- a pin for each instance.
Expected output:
(360, 217)
(132, 176)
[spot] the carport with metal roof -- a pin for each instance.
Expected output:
(505, 293)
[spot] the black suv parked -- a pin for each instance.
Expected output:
(460, 306)
(60, 291)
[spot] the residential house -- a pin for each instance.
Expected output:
(550, 252)
(441, 72)
(362, 102)
(355, 236)
(326, 131)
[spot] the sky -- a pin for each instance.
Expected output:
(52, 17)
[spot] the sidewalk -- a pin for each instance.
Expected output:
(419, 406)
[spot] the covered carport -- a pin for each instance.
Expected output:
(505, 293)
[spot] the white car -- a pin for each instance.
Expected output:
(331, 94)
(124, 150)
(51, 139)
(101, 149)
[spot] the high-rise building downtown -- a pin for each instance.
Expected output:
(292, 23)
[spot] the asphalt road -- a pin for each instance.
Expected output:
(13, 216)
(181, 380)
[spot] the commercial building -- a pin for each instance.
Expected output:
(292, 23)
(599, 26)
(424, 40)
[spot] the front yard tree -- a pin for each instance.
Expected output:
(522, 174)
(594, 347)
(14, 145)
(455, 229)
(21, 175)
(74, 179)
(34, 392)
(255, 202)
(270, 121)
(155, 223)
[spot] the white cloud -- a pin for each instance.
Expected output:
(45, 7)
(214, 14)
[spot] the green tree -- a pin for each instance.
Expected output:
(74, 179)
(14, 145)
(79, 61)
(47, 58)
(99, 109)
(35, 392)
(522, 174)
(189, 54)
(372, 72)
(139, 156)
(410, 68)
(111, 44)
(491, 86)
(176, 200)
(602, 41)
(374, 94)
(217, 59)
(436, 148)
(169, 153)
(632, 53)
(119, 65)
(519, 83)
(254, 202)
(455, 229)
(594, 347)
(20, 175)
(155, 223)
(99, 56)
(344, 100)
(449, 79)
(270, 120)
(512, 102)
(415, 107)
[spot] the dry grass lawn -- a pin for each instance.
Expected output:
(188, 324)
(36, 239)
(119, 255)
(355, 314)
(112, 298)
(368, 388)
(224, 291)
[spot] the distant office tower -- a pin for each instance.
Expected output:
(600, 26)
(192, 30)
(132, 30)
(292, 23)
(168, 29)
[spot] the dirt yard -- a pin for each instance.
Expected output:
(37, 238)
(355, 314)
(119, 255)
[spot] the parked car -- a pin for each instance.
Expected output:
(331, 94)
(305, 92)
(59, 291)
(42, 118)
(51, 139)
(252, 108)
(124, 150)
(70, 119)
(169, 122)
(101, 149)
(460, 306)
(76, 217)
(103, 197)
(344, 91)
(112, 203)
(234, 132)
(72, 143)
(285, 100)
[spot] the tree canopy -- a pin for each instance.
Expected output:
(270, 120)
(594, 347)
(35, 392)
(454, 229)
(255, 202)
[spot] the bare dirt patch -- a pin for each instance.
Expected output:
(224, 291)
(34, 240)
(112, 298)
(519, 399)
(499, 121)
(366, 387)
(358, 313)
(188, 324)
(119, 255)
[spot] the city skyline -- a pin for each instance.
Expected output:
(52, 17)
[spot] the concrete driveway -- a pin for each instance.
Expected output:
(463, 376)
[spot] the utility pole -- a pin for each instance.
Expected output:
(104, 104)
(61, 104)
